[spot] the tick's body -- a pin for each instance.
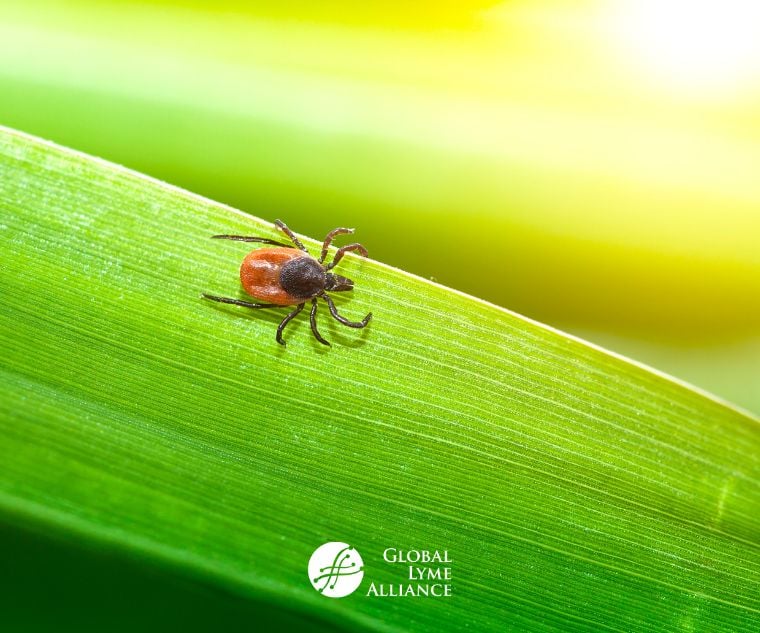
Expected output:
(267, 274)
(284, 276)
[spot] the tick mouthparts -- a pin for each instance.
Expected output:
(337, 283)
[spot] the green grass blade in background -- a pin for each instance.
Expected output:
(574, 490)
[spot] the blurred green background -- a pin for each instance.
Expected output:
(592, 165)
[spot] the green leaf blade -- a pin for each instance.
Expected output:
(574, 489)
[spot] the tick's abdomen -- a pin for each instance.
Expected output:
(282, 276)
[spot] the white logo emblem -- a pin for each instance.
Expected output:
(336, 569)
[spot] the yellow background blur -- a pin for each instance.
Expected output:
(593, 165)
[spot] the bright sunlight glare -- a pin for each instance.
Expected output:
(703, 45)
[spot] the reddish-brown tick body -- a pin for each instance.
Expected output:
(261, 274)
(287, 275)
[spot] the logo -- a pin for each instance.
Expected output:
(336, 569)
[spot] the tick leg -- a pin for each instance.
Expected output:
(342, 251)
(344, 320)
(238, 302)
(244, 238)
(313, 320)
(329, 238)
(287, 320)
(281, 225)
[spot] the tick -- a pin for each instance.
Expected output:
(287, 275)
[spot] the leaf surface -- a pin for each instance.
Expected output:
(573, 489)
